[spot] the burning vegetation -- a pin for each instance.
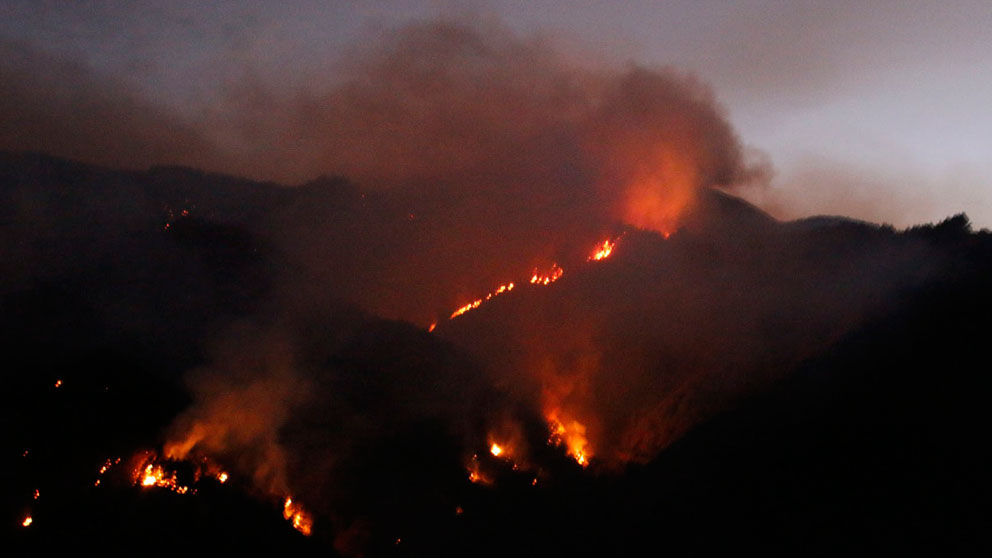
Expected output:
(295, 514)
(290, 312)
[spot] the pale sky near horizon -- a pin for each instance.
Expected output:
(874, 109)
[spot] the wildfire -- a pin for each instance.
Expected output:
(475, 472)
(496, 450)
(478, 302)
(27, 521)
(108, 464)
(573, 438)
(222, 478)
(550, 277)
(603, 251)
(294, 513)
(149, 474)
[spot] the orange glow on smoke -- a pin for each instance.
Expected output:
(657, 198)
(551, 276)
(294, 513)
(573, 437)
(475, 474)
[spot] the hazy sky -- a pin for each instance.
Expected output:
(875, 109)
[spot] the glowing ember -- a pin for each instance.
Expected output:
(431, 327)
(294, 513)
(603, 251)
(58, 383)
(573, 438)
(222, 478)
(27, 521)
(37, 493)
(496, 450)
(547, 278)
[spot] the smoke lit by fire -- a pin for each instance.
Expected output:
(573, 437)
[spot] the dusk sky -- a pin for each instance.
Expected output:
(874, 109)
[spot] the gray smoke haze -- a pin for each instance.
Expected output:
(61, 107)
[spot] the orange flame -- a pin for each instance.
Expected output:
(603, 251)
(550, 277)
(150, 474)
(294, 513)
(478, 302)
(573, 438)
(27, 521)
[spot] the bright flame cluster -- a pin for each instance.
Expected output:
(603, 251)
(294, 513)
(547, 278)
(155, 475)
(149, 474)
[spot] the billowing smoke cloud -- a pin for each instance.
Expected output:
(477, 156)
(483, 117)
(491, 154)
